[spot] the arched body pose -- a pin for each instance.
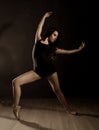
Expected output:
(44, 51)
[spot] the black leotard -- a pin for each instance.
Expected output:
(44, 65)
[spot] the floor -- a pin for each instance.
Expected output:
(48, 114)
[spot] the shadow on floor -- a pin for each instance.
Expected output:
(88, 114)
(27, 123)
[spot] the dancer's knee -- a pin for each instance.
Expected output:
(15, 82)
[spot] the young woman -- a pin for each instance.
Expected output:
(44, 51)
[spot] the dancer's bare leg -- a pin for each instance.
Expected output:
(54, 82)
(18, 82)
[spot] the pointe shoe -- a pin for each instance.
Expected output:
(72, 112)
(16, 110)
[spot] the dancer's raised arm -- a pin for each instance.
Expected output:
(40, 26)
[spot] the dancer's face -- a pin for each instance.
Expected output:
(53, 36)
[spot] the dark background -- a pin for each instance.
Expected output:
(77, 22)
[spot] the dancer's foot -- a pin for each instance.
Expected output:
(71, 112)
(16, 110)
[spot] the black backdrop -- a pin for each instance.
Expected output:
(77, 22)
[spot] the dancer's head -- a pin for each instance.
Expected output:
(52, 34)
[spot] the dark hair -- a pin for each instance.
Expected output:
(49, 32)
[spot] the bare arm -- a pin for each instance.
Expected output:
(63, 51)
(40, 26)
